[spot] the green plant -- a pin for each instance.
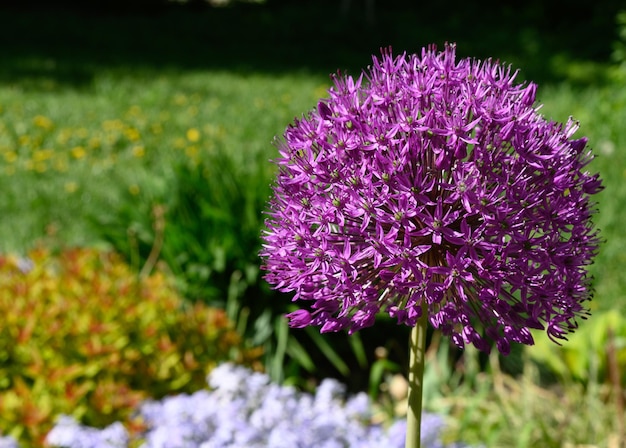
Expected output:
(587, 355)
(488, 407)
(214, 226)
(619, 48)
(85, 336)
(206, 230)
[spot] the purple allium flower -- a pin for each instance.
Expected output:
(430, 182)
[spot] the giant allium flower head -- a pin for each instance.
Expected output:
(431, 184)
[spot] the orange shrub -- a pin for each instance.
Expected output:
(85, 336)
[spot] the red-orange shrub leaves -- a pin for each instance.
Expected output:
(83, 335)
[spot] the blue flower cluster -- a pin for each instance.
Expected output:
(8, 442)
(244, 409)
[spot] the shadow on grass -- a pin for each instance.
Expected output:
(50, 46)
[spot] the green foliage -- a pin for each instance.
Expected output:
(125, 135)
(206, 230)
(500, 410)
(71, 158)
(488, 407)
(619, 48)
(214, 224)
(84, 336)
(596, 348)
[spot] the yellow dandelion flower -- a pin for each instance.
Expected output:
(24, 140)
(139, 151)
(112, 125)
(94, 142)
(134, 189)
(132, 134)
(193, 135)
(41, 155)
(10, 156)
(78, 152)
(71, 187)
(43, 122)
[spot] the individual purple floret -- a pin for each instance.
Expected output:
(244, 409)
(431, 181)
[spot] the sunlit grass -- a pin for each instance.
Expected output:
(68, 153)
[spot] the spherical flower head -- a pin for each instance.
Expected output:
(433, 185)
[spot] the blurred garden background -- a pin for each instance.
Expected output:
(135, 140)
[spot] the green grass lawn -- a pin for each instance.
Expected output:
(67, 154)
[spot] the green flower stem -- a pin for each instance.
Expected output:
(417, 348)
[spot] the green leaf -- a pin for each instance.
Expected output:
(299, 353)
(356, 343)
(327, 351)
(278, 357)
(377, 374)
